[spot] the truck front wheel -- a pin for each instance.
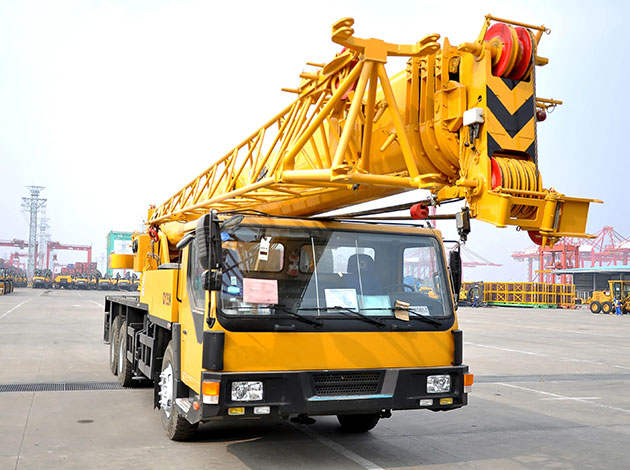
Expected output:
(358, 423)
(177, 426)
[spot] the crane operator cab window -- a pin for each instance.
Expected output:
(197, 294)
(327, 276)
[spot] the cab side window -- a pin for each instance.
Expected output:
(195, 290)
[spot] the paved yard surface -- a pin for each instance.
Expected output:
(552, 391)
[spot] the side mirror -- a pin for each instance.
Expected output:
(208, 237)
(209, 251)
(455, 268)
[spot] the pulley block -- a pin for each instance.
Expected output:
(516, 46)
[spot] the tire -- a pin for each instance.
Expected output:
(114, 345)
(177, 427)
(607, 308)
(596, 307)
(125, 368)
(358, 423)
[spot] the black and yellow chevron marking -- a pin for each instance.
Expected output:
(510, 119)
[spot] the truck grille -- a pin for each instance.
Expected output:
(347, 383)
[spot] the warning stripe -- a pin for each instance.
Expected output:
(493, 147)
(511, 122)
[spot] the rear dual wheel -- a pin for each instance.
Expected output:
(114, 345)
(596, 307)
(125, 367)
(607, 308)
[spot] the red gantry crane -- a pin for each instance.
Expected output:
(60, 246)
(14, 259)
(608, 248)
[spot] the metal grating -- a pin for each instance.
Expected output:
(59, 387)
(347, 383)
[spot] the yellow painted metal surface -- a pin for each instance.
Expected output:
(158, 291)
(145, 258)
(316, 351)
(191, 346)
(117, 261)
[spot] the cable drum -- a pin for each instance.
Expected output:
(520, 175)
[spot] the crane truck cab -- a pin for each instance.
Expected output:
(293, 318)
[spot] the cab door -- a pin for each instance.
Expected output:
(192, 314)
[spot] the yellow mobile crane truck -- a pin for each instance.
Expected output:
(252, 304)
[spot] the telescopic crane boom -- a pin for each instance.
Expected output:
(460, 121)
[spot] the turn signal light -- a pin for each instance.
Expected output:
(468, 381)
(210, 392)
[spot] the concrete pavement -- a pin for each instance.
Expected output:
(551, 392)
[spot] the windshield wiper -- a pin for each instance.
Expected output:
(310, 321)
(347, 311)
(419, 316)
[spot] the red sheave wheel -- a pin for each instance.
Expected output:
(504, 36)
(525, 55)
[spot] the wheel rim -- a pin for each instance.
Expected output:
(166, 390)
(121, 356)
(112, 348)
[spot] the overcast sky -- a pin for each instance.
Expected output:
(114, 105)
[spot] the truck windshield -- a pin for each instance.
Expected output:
(321, 274)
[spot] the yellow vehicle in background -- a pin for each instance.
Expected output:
(255, 303)
(7, 281)
(604, 301)
(81, 281)
(105, 283)
(42, 279)
(63, 281)
(20, 278)
(124, 284)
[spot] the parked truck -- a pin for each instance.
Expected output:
(255, 303)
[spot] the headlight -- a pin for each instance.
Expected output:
(437, 383)
(247, 391)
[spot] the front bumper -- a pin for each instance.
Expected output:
(336, 392)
